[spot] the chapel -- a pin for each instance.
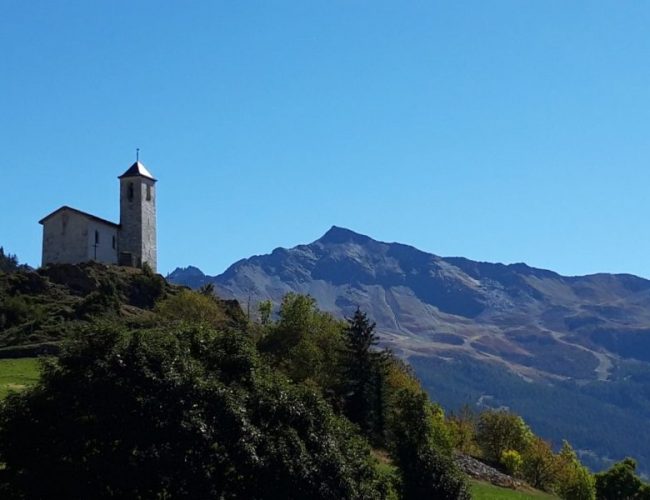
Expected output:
(71, 236)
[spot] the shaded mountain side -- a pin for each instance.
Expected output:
(580, 334)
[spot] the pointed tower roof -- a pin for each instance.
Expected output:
(137, 170)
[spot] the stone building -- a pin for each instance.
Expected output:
(72, 236)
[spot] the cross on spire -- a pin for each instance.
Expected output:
(137, 154)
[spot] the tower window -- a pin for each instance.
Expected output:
(130, 191)
(96, 237)
(113, 242)
(148, 192)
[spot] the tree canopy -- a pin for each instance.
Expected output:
(188, 413)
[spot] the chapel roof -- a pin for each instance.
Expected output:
(79, 212)
(137, 170)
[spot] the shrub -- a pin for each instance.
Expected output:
(18, 309)
(191, 307)
(145, 289)
(104, 300)
(512, 461)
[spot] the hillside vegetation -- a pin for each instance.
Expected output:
(39, 308)
(157, 391)
(569, 353)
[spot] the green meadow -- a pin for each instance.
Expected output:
(17, 374)
(486, 491)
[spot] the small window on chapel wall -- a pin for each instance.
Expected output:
(96, 237)
(148, 192)
(130, 191)
(113, 242)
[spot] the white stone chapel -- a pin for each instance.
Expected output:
(71, 236)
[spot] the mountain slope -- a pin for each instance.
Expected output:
(528, 332)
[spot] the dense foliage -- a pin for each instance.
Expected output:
(190, 413)
(178, 404)
(620, 482)
(370, 387)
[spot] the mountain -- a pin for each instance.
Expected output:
(571, 354)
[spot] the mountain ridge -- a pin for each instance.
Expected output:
(585, 337)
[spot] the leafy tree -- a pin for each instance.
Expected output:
(8, 262)
(306, 344)
(540, 466)
(500, 430)
(185, 414)
(462, 426)
(574, 481)
(191, 307)
(620, 482)
(265, 309)
(428, 470)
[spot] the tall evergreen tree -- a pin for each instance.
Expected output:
(364, 373)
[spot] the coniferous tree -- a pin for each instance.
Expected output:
(364, 374)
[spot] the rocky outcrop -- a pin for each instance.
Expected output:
(478, 470)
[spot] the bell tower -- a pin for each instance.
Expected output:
(137, 233)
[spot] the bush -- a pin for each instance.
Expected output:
(512, 461)
(102, 301)
(145, 289)
(18, 309)
(191, 307)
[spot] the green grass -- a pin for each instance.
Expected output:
(17, 374)
(486, 491)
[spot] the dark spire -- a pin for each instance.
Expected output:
(137, 170)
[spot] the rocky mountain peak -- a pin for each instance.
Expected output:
(338, 235)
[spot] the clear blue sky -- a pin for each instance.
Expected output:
(497, 130)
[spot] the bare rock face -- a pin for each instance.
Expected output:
(571, 354)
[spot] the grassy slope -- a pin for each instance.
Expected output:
(16, 374)
(486, 491)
